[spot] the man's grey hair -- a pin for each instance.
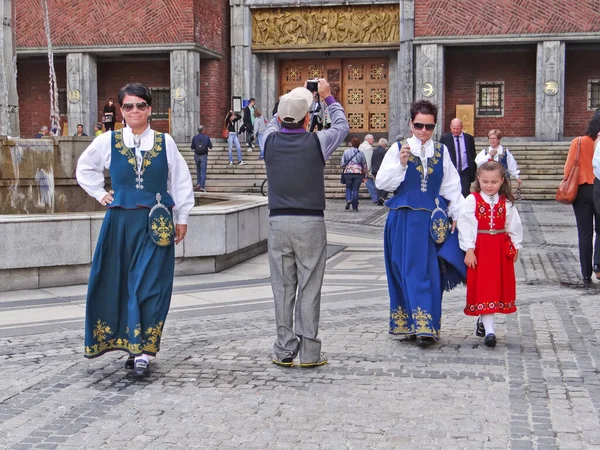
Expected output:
(200, 129)
(44, 128)
(369, 137)
(383, 142)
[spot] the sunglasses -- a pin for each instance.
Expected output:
(128, 107)
(428, 126)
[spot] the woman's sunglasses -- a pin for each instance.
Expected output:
(128, 107)
(428, 126)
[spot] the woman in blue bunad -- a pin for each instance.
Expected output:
(131, 279)
(500, 154)
(422, 255)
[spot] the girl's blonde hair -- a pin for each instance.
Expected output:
(491, 166)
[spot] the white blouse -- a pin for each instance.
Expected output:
(513, 169)
(391, 172)
(96, 158)
(596, 160)
(467, 223)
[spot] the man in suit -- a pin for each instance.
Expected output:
(461, 147)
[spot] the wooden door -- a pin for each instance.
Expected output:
(365, 94)
(295, 73)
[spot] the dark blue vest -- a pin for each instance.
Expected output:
(414, 194)
(133, 191)
(502, 159)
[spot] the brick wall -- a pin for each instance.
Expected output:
(215, 75)
(106, 22)
(33, 89)
(464, 66)
(582, 64)
(499, 17)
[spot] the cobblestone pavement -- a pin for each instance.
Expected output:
(213, 386)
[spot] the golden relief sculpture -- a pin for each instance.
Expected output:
(327, 27)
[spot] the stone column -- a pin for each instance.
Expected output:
(9, 100)
(429, 79)
(401, 80)
(267, 80)
(185, 94)
(82, 92)
(550, 90)
(243, 81)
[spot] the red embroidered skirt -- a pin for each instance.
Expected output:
(491, 286)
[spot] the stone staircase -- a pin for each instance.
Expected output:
(541, 165)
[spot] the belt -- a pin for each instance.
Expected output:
(491, 231)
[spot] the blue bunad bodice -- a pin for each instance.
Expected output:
(415, 276)
(419, 193)
(137, 189)
(502, 159)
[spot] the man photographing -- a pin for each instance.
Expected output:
(295, 162)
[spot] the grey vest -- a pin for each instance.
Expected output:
(296, 174)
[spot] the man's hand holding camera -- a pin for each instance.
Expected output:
(322, 87)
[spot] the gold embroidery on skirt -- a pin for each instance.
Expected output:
(102, 334)
(420, 317)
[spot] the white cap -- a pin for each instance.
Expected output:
(294, 105)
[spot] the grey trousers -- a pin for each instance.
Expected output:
(297, 254)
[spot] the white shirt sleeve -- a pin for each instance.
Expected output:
(596, 160)
(391, 173)
(179, 182)
(481, 158)
(467, 224)
(451, 188)
(91, 165)
(513, 169)
(513, 225)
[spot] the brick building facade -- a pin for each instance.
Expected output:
(180, 48)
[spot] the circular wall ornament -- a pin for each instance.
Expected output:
(74, 96)
(428, 90)
(550, 88)
(179, 94)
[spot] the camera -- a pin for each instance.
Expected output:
(312, 85)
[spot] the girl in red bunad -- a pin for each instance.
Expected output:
(490, 232)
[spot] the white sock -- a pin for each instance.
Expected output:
(488, 323)
(147, 358)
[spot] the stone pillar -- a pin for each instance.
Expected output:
(550, 90)
(242, 63)
(429, 79)
(185, 94)
(9, 100)
(401, 82)
(82, 92)
(267, 80)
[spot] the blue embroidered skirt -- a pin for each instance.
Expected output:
(413, 274)
(130, 285)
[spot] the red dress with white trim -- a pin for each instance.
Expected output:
(491, 285)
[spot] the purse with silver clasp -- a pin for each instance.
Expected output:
(160, 224)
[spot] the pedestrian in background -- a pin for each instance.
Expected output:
(200, 145)
(232, 137)
(109, 115)
(490, 232)
(367, 149)
(97, 129)
(376, 160)
(499, 153)
(586, 212)
(260, 126)
(354, 164)
(248, 124)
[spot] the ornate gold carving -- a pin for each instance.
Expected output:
(378, 121)
(326, 27)
(355, 96)
(356, 120)
(378, 96)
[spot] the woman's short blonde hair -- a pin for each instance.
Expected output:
(495, 133)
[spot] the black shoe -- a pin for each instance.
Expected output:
(284, 362)
(129, 363)
(490, 340)
(479, 329)
(354, 210)
(587, 282)
(411, 338)
(425, 341)
(141, 368)
(381, 201)
(348, 205)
